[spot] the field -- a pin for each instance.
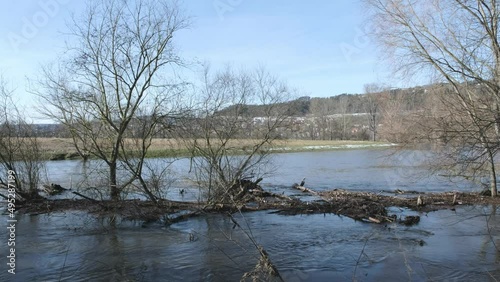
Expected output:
(62, 148)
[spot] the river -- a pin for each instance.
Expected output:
(446, 245)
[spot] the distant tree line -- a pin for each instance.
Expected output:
(341, 117)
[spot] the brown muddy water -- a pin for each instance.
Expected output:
(446, 245)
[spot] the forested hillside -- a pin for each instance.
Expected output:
(346, 116)
(370, 116)
(413, 99)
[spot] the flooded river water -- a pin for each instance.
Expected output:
(446, 245)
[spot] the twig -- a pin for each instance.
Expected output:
(489, 228)
(491, 275)
(64, 264)
(359, 257)
(264, 257)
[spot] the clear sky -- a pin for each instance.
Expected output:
(317, 46)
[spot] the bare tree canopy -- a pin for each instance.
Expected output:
(19, 148)
(223, 123)
(372, 107)
(456, 42)
(118, 73)
(455, 38)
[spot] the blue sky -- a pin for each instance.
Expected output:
(318, 47)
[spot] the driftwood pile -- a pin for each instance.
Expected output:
(264, 270)
(372, 207)
(54, 189)
(248, 195)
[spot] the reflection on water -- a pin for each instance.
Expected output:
(74, 246)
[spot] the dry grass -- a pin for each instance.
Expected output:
(56, 144)
(167, 147)
(307, 143)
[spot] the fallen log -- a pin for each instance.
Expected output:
(304, 189)
(182, 217)
(85, 197)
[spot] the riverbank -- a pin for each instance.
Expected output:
(63, 149)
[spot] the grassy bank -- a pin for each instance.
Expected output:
(62, 148)
(326, 145)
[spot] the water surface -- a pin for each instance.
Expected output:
(446, 245)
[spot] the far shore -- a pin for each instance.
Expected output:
(62, 148)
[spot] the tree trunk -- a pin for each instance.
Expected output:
(493, 174)
(114, 190)
(150, 194)
(493, 179)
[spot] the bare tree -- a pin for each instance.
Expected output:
(323, 109)
(19, 148)
(453, 41)
(119, 72)
(345, 118)
(372, 92)
(442, 122)
(397, 118)
(224, 159)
